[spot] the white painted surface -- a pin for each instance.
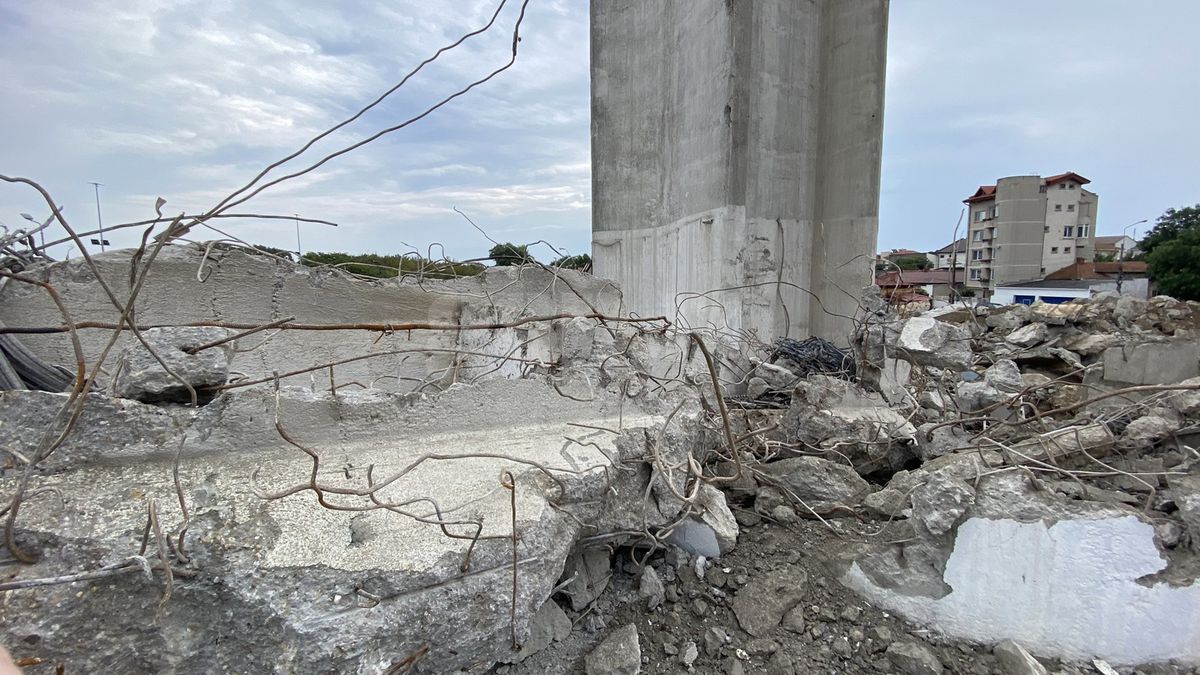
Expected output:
(1006, 295)
(1067, 590)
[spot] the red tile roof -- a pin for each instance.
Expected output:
(1050, 180)
(1100, 270)
(914, 278)
(984, 193)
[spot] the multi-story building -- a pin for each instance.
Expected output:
(1025, 227)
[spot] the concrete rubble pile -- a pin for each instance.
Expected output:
(518, 480)
(1043, 475)
(353, 517)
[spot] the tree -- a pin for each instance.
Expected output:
(1101, 256)
(1169, 226)
(581, 262)
(1175, 264)
(509, 254)
(912, 262)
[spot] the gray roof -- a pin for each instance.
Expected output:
(1054, 283)
(960, 245)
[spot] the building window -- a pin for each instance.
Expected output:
(978, 235)
(980, 215)
(1062, 186)
(1045, 229)
(1083, 231)
(1070, 186)
(1068, 232)
(1043, 274)
(1066, 249)
(975, 275)
(976, 255)
(996, 211)
(1070, 207)
(1054, 249)
(1042, 189)
(1058, 207)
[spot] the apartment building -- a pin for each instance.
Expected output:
(1025, 227)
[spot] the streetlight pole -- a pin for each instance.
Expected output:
(954, 254)
(99, 221)
(1121, 255)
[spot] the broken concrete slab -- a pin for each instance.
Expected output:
(378, 584)
(926, 341)
(1152, 362)
(246, 288)
(142, 377)
(821, 484)
(1028, 336)
(1043, 557)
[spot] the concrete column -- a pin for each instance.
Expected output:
(735, 158)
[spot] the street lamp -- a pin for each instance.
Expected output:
(1121, 255)
(41, 227)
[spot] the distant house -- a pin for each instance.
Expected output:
(905, 285)
(943, 256)
(1080, 279)
(1116, 246)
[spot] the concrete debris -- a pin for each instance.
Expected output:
(549, 625)
(619, 654)
(651, 588)
(1147, 430)
(1028, 336)
(588, 573)
(1050, 395)
(980, 471)
(142, 377)
(1014, 660)
(689, 654)
(928, 342)
(717, 516)
(912, 658)
(761, 605)
(819, 483)
(941, 502)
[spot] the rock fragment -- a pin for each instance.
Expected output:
(913, 658)
(619, 654)
(1028, 336)
(761, 605)
(651, 588)
(820, 483)
(1014, 660)
(941, 502)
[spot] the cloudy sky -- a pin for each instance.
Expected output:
(189, 99)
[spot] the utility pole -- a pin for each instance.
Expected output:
(1121, 255)
(99, 221)
(954, 253)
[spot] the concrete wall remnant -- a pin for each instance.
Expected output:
(736, 154)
